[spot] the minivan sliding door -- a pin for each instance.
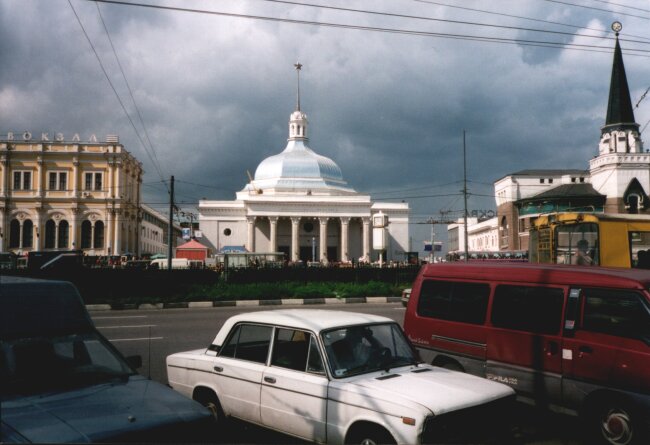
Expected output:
(525, 345)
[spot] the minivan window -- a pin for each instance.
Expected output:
(616, 312)
(527, 308)
(454, 301)
(248, 342)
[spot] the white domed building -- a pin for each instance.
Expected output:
(298, 203)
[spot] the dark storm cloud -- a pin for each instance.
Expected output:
(216, 93)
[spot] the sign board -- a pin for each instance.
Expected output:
(186, 233)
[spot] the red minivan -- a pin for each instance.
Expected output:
(573, 339)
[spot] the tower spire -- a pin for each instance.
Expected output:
(620, 114)
(298, 67)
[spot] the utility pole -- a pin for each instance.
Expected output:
(465, 197)
(170, 233)
(433, 222)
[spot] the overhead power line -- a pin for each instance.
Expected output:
(154, 158)
(99, 60)
(457, 22)
(511, 41)
(593, 8)
(607, 2)
(532, 19)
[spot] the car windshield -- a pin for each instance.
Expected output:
(50, 364)
(363, 349)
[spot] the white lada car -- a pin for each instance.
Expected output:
(335, 377)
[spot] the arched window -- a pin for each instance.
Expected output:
(28, 233)
(14, 233)
(504, 232)
(86, 234)
(50, 235)
(64, 234)
(99, 235)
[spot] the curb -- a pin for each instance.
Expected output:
(241, 303)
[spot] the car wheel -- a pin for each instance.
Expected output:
(615, 421)
(211, 402)
(370, 436)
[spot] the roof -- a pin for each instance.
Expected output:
(620, 113)
(315, 320)
(542, 273)
(550, 172)
(568, 191)
(192, 245)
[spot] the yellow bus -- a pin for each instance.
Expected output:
(617, 240)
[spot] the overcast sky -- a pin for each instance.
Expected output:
(215, 91)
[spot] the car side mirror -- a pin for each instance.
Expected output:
(134, 361)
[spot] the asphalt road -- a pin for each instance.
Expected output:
(154, 334)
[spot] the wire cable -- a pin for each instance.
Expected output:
(511, 41)
(154, 159)
(597, 9)
(501, 14)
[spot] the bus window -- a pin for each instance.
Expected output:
(640, 249)
(577, 244)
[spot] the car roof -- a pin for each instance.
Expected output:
(32, 307)
(542, 273)
(315, 320)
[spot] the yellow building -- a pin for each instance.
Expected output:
(68, 194)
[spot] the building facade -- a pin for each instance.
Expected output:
(58, 194)
(154, 233)
(298, 203)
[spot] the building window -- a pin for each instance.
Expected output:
(86, 234)
(58, 181)
(50, 235)
(99, 235)
(93, 181)
(63, 234)
(22, 180)
(28, 233)
(504, 232)
(541, 180)
(582, 180)
(14, 234)
(573, 179)
(550, 180)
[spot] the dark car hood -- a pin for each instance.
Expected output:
(102, 413)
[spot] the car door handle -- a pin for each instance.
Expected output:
(269, 379)
(218, 369)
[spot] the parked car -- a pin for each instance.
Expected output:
(63, 382)
(406, 295)
(334, 377)
(574, 339)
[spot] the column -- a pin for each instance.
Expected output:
(38, 244)
(75, 177)
(39, 174)
(4, 180)
(295, 248)
(345, 225)
(366, 238)
(323, 239)
(109, 179)
(273, 241)
(108, 232)
(20, 234)
(73, 234)
(3, 226)
(117, 248)
(250, 238)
